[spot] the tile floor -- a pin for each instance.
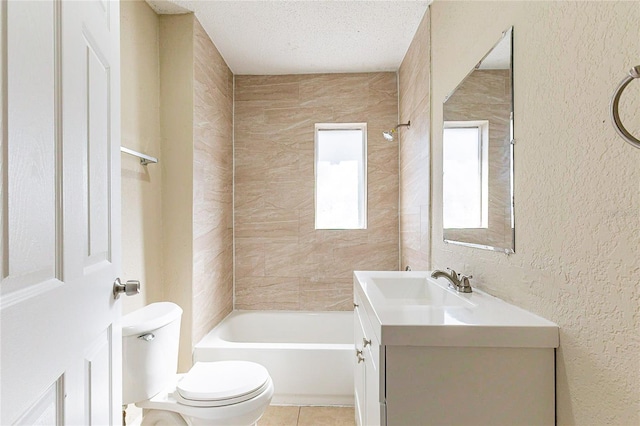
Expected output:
(307, 416)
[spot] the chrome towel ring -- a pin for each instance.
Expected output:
(615, 117)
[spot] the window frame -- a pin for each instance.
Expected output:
(483, 156)
(362, 194)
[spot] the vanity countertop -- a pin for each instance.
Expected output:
(411, 308)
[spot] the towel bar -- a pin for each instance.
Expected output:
(144, 158)
(615, 100)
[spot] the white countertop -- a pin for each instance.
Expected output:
(485, 321)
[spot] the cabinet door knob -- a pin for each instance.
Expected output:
(358, 352)
(366, 342)
(355, 305)
(360, 359)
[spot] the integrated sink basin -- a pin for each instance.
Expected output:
(415, 336)
(410, 291)
(407, 307)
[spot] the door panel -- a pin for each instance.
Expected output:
(48, 408)
(61, 341)
(29, 238)
(98, 161)
(97, 373)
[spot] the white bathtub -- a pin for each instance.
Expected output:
(309, 355)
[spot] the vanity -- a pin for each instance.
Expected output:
(428, 355)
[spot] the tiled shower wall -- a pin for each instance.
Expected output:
(212, 293)
(281, 261)
(415, 159)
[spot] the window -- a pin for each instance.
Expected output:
(341, 176)
(465, 174)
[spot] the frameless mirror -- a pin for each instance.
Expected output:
(478, 154)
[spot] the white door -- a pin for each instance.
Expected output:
(60, 215)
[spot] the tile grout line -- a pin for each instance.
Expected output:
(298, 419)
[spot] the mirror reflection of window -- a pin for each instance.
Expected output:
(465, 175)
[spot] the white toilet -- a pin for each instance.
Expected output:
(211, 393)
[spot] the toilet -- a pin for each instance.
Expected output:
(211, 393)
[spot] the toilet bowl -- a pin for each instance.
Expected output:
(225, 393)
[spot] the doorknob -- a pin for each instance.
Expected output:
(129, 288)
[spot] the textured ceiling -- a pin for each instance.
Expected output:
(295, 37)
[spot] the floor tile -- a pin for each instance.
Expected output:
(326, 416)
(280, 416)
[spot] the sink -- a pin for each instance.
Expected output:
(414, 336)
(417, 291)
(407, 307)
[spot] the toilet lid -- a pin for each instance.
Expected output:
(224, 381)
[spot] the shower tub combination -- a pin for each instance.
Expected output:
(309, 355)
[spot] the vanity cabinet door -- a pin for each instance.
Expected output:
(367, 372)
(372, 388)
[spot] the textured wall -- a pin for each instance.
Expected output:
(212, 292)
(176, 118)
(282, 262)
(486, 95)
(415, 179)
(141, 186)
(577, 187)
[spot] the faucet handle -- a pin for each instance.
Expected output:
(465, 285)
(453, 273)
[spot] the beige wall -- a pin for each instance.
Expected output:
(176, 113)
(415, 171)
(197, 118)
(177, 215)
(577, 194)
(141, 185)
(282, 262)
(212, 294)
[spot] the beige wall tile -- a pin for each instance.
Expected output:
(414, 181)
(267, 293)
(274, 192)
(212, 292)
(249, 259)
(322, 294)
(267, 89)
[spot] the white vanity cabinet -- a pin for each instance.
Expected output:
(368, 377)
(434, 360)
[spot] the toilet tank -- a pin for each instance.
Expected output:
(150, 340)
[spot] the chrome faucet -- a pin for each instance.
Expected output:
(457, 282)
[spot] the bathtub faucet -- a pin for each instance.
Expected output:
(459, 283)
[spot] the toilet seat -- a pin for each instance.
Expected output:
(240, 410)
(215, 384)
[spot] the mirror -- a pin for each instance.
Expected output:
(477, 193)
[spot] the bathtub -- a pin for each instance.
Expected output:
(309, 355)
